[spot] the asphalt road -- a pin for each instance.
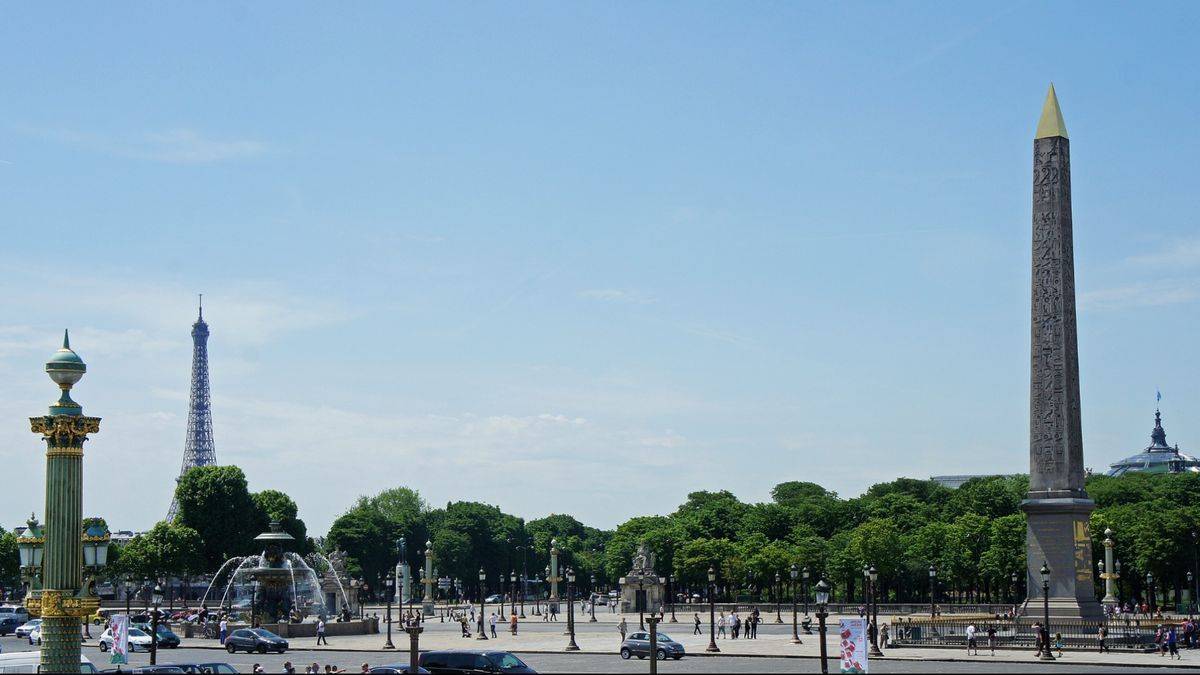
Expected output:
(593, 663)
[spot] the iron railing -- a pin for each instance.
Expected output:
(1123, 634)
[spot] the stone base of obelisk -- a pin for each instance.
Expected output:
(1059, 535)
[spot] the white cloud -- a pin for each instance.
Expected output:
(1139, 294)
(175, 146)
(1182, 253)
(618, 295)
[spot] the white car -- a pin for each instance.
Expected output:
(35, 635)
(139, 640)
(28, 627)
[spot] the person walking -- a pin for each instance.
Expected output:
(884, 636)
(1102, 637)
(696, 630)
(224, 629)
(752, 624)
(1173, 644)
(622, 628)
(492, 623)
(721, 626)
(512, 622)
(466, 627)
(991, 633)
(971, 646)
(321, 632)
(1058, 643)
(1041, 643)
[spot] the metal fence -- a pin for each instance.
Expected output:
(1123, 634)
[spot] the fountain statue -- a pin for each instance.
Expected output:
(275, 585)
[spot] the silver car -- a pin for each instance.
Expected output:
(638, 644)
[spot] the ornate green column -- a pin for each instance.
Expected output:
(64, 598)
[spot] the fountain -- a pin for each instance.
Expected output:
(275, 585)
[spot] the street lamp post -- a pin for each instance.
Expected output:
(778, 593)
(874, 612)
(1150, 591)
(1045, 637)
(414, 633)
(95, 556)
(571, 646)
(712, 611)
(157, 598)
(63, 598)
(1012, 589)
(482, 589)
(1190, 577)
(822, 614)
(427, 601)
(512, 579)
(794, 573)
(390, 582)
(671, 596)
(1195, 580)
(804, 583)
(31, 546)
(537, 596)
(593, 599)
(932, 591)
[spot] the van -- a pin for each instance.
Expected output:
(31, 662)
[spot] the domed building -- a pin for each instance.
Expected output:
(1158, 457)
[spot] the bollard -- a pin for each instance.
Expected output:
(414, 633)
(653, 621)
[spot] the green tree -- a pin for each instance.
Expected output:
(10, 561)
(168, 549)
(273, 505)
(215, 502)
(367, 538)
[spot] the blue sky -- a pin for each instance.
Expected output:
(583, 257)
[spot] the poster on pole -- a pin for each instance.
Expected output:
(854, 645)
(120, 638)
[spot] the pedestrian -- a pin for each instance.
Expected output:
(1102, 637)
(971, 640)
(721, 626)
(365, 668)
(224, 626)
(492, 623)
(1058, 643)
(314, 669)
(1173, 644)
(883, 637)
(256, 668)
(321, 632)
(289, 668)
(1037, 630)
(622, 628)
(696, 631)
(466, 628)
(991, 633)
(512, 620)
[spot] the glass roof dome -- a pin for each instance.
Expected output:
(1158, 457)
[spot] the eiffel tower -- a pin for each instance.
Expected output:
(198, 450)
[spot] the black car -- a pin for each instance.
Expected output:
(462, 661)
(8, 625)
(167, 639)
(255, 640)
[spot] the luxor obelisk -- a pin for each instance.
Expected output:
(1057, 505)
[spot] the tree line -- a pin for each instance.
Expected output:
(974, 536)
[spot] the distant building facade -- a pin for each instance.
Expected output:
(955, 482)
(1158, 457)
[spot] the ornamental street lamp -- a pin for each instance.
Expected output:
(804, 581)
(593, 598)
(778, 593)
(95, 557)
(571, 646)
(1012, 586)
(390, 582)
(482, 578)
(414, 633)
(822, 614)
(794, 573)
(932, 591)
(1190, 577)
(31, 546)
(157, 598)
(63, 599)
(512, 584)
(1150, 591)
(712, 611)
(553, 578)
(427, 601)
(1108, 570)
(537, 596)
(671, 596)
(874, 576)
(1045, 637)
(1195, 580)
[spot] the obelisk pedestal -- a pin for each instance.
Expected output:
(1057, 505)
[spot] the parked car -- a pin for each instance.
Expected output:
(145, 669)
(18, 611)
(26, 628)
(395, 668)
(638, 644)
(9, 624)
(205, 668)
(493, 598)
(139, 640)
(31, 662)
(258, 640)
(35, 635)
(167, 639)
(463, 661)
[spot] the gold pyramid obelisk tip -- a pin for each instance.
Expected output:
(1052, 123)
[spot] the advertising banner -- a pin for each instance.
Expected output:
(854, 645)
(120, 638)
